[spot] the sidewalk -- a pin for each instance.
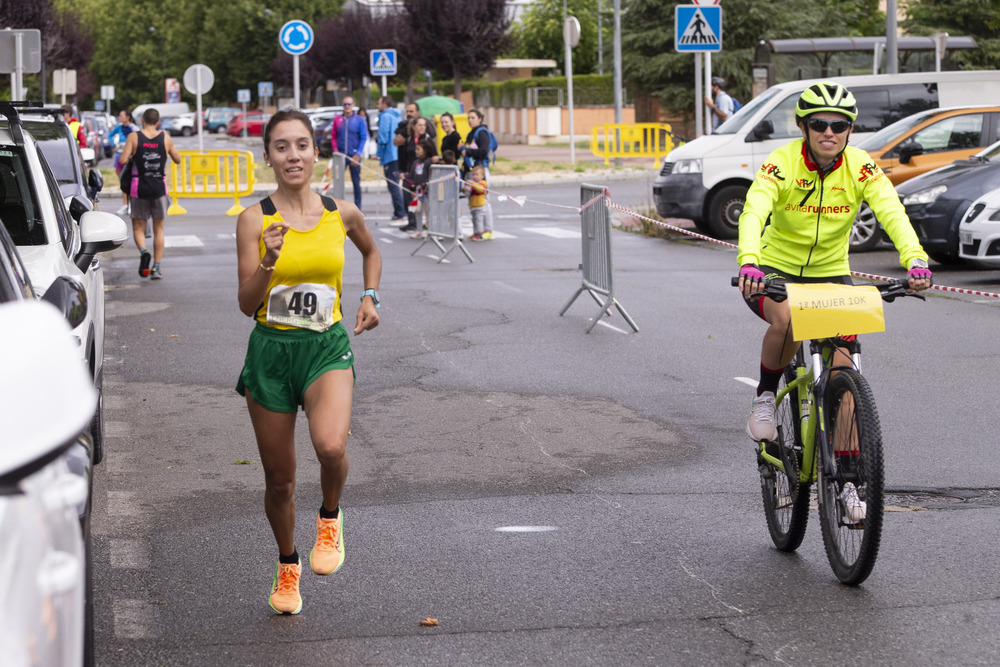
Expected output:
(586, 167)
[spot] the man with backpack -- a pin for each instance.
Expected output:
(722, 107)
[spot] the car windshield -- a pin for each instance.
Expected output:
(890, 133)
(55, 146)
(18, 206)
(733, 125)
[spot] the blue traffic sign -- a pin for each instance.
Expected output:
(383, 62)
(698, 29)
(265, 89)
(295, 37)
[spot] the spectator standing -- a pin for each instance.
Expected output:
(75, 126)
(118, 136)
(452, 140)
(418, 130)
(388, 153)
(424, 155)
(349, 136)
(290, 250)
(477, 151)
(403, 132)
(148, 198)
(721, 107)
(482, 224)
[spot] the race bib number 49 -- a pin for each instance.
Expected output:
(306, 306)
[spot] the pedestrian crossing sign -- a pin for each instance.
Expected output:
(697, 29)
(383, 62)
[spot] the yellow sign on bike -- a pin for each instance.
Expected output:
(825, 310)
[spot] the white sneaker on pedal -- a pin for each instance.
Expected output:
(855, 509)
(761, 425)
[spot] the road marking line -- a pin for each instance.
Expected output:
(182, 241)
(130, 554)
(749, 381)
(554, 232)
(135, 619)
(611, 326)
(506, 286)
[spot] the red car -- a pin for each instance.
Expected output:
(254, 122)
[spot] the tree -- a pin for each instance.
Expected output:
(539, 33)
(66, 42)
(650, 63)
(343, 45)
(974, 18)
(460, 38)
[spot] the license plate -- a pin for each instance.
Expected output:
(965, 238)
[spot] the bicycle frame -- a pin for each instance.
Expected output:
(808, 390)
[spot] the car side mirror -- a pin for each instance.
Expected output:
(70, 297)
(763, 130)
(99, 232)
(95, 180)
(908, 150)
(77, 206)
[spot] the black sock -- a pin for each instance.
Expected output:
(327, 514)
(289, 560)
(769, 380)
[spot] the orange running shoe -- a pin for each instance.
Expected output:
(285, 598)
(327, 554)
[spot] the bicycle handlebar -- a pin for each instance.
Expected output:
(890, 291)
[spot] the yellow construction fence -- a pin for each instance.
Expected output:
(213, 174)
(616, 140)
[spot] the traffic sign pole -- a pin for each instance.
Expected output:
(295, 38)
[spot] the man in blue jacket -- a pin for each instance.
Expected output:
(388, 153)
(349, 136)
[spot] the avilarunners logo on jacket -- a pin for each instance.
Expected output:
(772, 172)
(868, 169)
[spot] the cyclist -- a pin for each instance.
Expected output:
(796, 224)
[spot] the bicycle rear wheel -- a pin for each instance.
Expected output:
(786, 500)
(852, 531)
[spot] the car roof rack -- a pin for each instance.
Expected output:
(55, 112)
(9, 109)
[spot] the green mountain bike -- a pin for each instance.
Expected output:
(828, 434)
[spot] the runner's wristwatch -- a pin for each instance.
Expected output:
(373, 293)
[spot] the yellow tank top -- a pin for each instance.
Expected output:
(313, 257)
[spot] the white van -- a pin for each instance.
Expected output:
(166, 109)
(706, 180)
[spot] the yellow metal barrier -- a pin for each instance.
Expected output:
(212, 174)
(653, 140)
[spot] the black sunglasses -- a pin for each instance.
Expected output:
(838, 126)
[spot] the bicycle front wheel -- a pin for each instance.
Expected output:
(850, 501)
(786, 500)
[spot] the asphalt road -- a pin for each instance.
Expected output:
(550, 496)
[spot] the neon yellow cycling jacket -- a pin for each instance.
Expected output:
(811, 217)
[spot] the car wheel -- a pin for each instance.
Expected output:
(865, 232)
(97, 428)
(701, 224)
(186, 132)
(221, 129)
(724, 211)
(946, 258)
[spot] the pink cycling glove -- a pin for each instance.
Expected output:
(919, 271)
(752, 273)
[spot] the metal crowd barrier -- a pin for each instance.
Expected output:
(595, 232)
(653, 140)
(442, 211)
(211, 174)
